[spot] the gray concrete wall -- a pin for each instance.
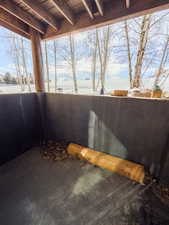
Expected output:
(19, 124)
(135, 129)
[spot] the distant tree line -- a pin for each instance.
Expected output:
(7, 78)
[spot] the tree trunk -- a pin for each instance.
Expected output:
(106, 49)
(145, 27)
(24, 65)
(17, 65)
(162, 62)
(55, 65)
(94, 57)
(47, 67)
(103, 56)
(128, 52)
(73, 63)
(100, 59)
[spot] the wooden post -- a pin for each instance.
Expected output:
(37, 60)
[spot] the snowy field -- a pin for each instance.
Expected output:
(84, 86)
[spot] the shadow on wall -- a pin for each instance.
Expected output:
(19, 124)
(101, 137)
(135, 129)
(104, 129)
(67, 117)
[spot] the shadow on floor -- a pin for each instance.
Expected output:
(71, 192)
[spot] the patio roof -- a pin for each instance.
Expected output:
(55, 18)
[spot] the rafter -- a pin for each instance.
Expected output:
(41, 12)
(99, 4)
(114, 11)
(12, 23)
(25, 17)
(64, 9)
(127, 3)
(13, 29)
(87, 4)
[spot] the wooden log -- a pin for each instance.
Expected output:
(120, 166)
(37, 60)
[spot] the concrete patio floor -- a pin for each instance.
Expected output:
(34, 191)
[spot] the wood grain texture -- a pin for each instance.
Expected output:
(12, 23)
(99, 4)
(42, 13)
(127, 3)
(114, 11)
(22, 15)
(64, 9)
(88, 6)
(37, 60)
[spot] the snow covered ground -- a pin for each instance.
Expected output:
(84, 86)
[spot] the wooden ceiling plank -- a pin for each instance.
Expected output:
(24, 16)
(14, 29)
(41, 12)
(12, 23)
(87, 4)
(113, 13)
(99, 4)
(127, 3)
(64, 9)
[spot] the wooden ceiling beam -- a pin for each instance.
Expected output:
(25, 17)
(127, 3)
(87, 4)
(99, 4)
(65, 10)
(114, 11)
(41, 12)
(14, 29)
(12, 23)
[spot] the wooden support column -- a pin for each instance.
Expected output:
(37, 60)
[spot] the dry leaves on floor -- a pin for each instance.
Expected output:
(159, 190)
(55, 151)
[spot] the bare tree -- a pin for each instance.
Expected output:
(129, 53)
(55, 49)
(103, 52)
(47, 67)
(73, 62)
(145, 28)
(147, 34)
(161, 71)
(24, 65)
(91, 51)
(94, 50)
(94, 58)
(16, 56)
